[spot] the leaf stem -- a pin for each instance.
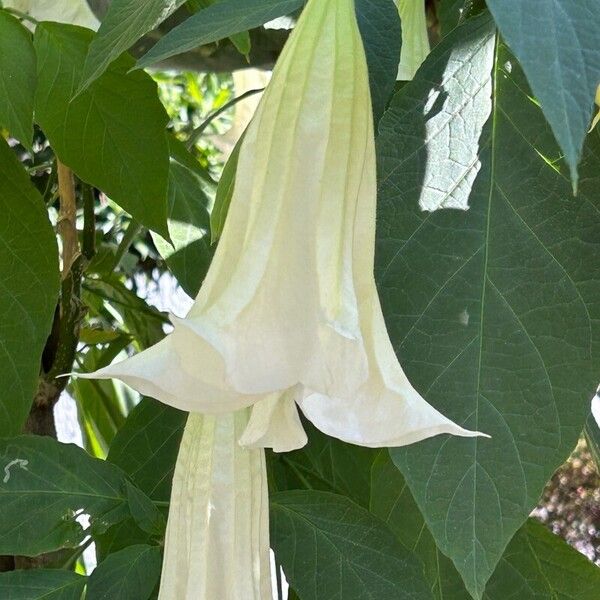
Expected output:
(132, 230)
(197, 133)
(89, 222)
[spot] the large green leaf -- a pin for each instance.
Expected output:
(45, 485)
(379, 24)
(125, 22)
(129, 574)
(332, 549)
(218, 21)
(190, 253)
(112, 135)
(41, 584)
(558, 45)
(146, 447)
(538, 565)
(493, 311)
(29, 284)
(17, 78)
(392, 502)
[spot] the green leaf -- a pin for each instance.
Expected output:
(146, 447)
(113, 135)
(392, 502)
(332, 549)
(144, 512)
(379, 24)
(493, 311)
(44, 486)
(130, 573)
(29, 285)
(539, 565)
(224, 193)
(125, 22)
(17, 78)
(144, 322)
(558, 45)
(190, 254)
(41, 584)
(218, 21)
(325, 464)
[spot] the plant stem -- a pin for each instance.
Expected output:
(132, 230)
(197, 133)
(21, 15)
(67, 218)
(89, 222)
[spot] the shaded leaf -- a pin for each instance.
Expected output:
(112, 135)
(224, 193)
(144, 512)
(189, 221)
(125, 22)
(379, 25)
(557, 44)
(44, 486)
(220, 20)
(17, 78)
(538, 565)
(29, 285)
(130, 573)
(332, 549)
(41, 584)
(493, 312)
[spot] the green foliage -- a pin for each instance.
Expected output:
(112, 135)
(28, 290)
(486, 264)
(17, 65)
(190, 190)
(496, 321)
(220, 20)
(46, 486)
(125, 22)
(41, 584)
(561, 57)
(345, 552)
(128, 574)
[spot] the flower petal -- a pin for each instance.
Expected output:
(415, 39)
(217, 541)
(275, 423)
(163, 373)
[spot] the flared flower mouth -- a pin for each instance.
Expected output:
(289, 313)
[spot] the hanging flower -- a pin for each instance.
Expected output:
(415, 39)
(217, 541)
(289, 314)
(74, 12)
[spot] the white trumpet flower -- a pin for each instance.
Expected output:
(289, 314)
(217, 541)
(74, 12)
(415, 39)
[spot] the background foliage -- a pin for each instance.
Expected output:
(486, 264)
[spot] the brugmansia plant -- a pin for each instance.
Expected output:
(394, 338)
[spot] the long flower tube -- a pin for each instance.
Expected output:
(415, 39)
(288, 317)
(217, 540)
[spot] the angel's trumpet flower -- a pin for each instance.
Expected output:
(289, 313)
(415, 39)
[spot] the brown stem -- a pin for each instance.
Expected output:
(67, 218)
